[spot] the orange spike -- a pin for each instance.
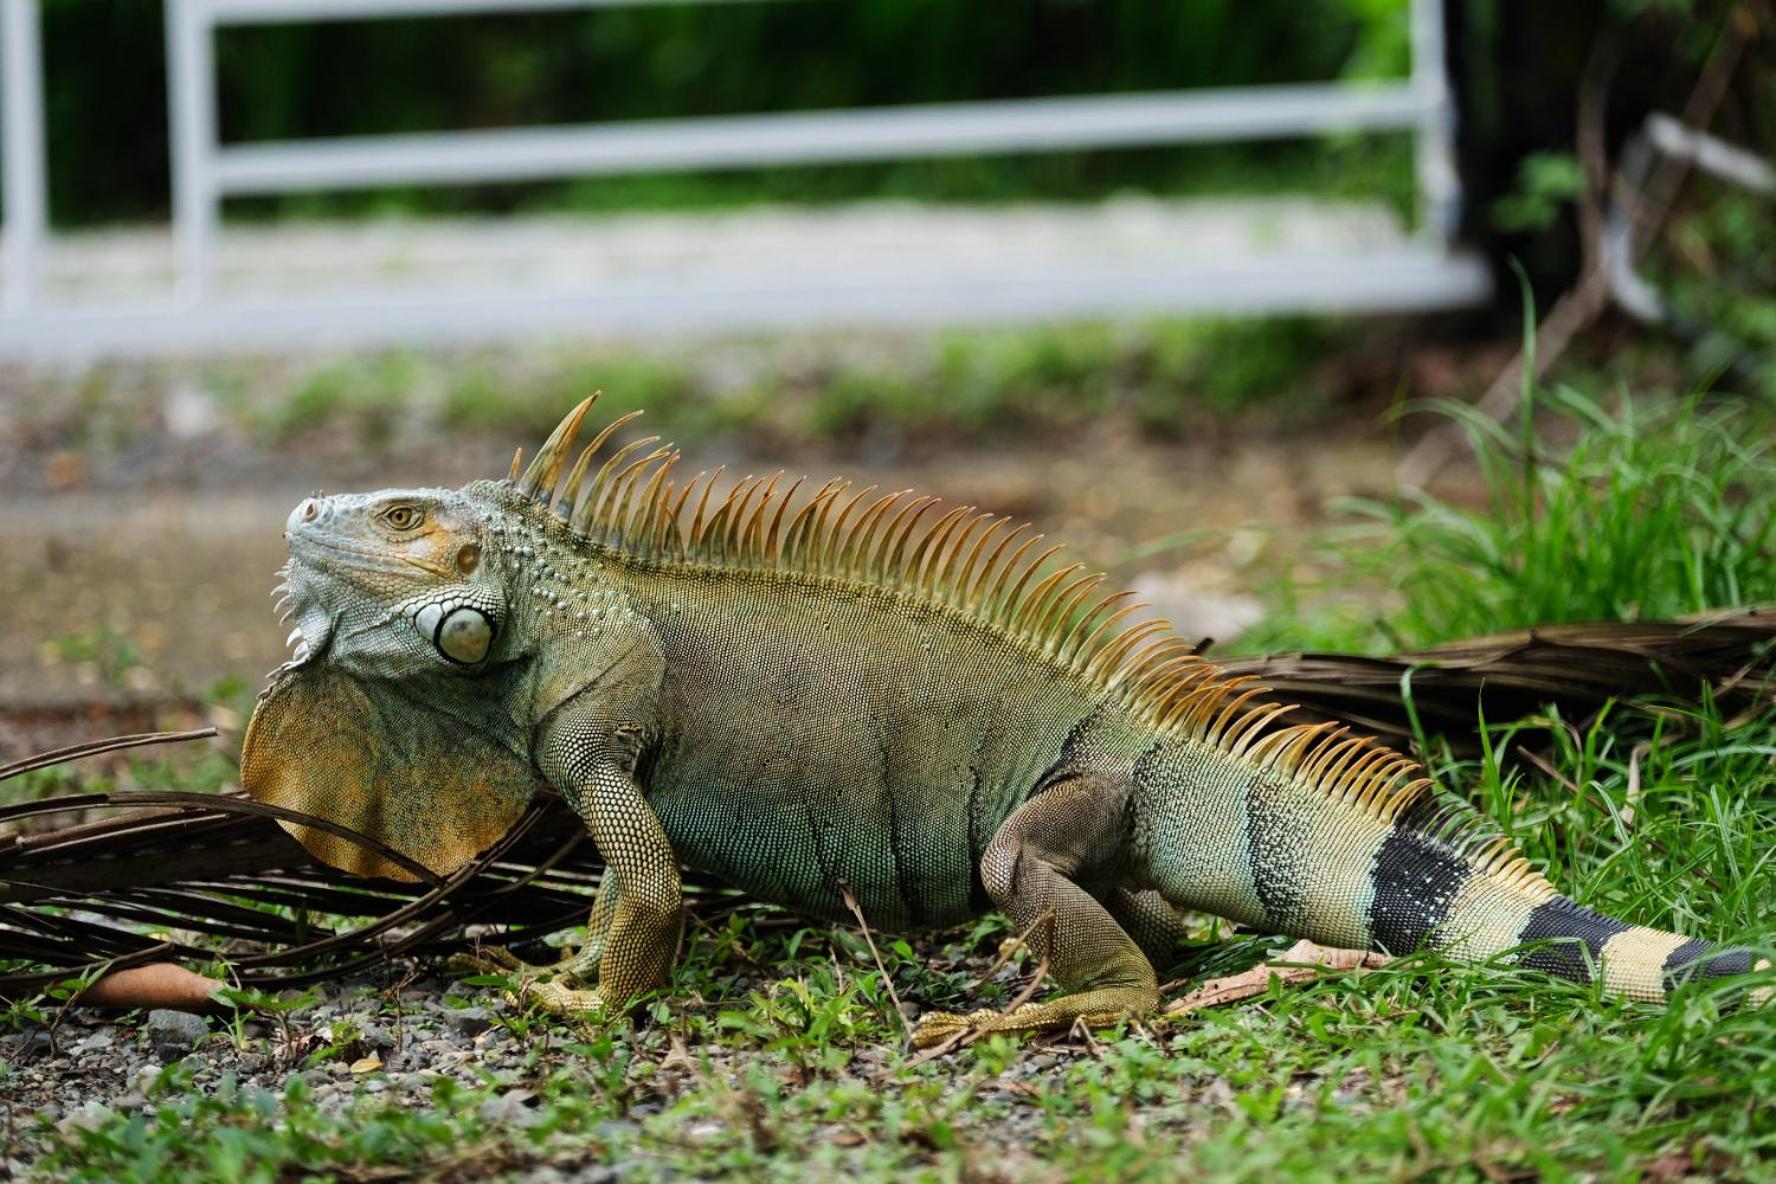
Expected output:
(966, 578)
(753, 540)
(773, 538)
(517, 466)
(991, 567)
(894, 545)
(698, 527)
(924, 555)
(539, 479)
(855, 558)
(1230, 715)
(1054, 624)
(837, 540)
(796, 538)
(1105, 627)
(993, 602)
(1249, 728)
(1020, 605)
(650, 497)
(952, 578)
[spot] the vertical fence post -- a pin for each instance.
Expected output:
(191, 111)
(21, 152)
(1439, 189)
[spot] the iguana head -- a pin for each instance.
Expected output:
(395, 583)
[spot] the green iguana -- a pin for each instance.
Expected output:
(852, 694)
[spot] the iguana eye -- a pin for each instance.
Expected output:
(403, 517)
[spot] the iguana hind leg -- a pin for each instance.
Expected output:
(1154, 922)
(1033, 870)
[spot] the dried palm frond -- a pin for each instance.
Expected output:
(202, 877)
(1507, 676)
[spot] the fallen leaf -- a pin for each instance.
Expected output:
(369, 1064)
(1310, 961)
(157, 985)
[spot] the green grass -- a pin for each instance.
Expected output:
(792, 1064)
(1645, 508)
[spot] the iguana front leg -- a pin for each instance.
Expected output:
(637, 918)
(578, 968)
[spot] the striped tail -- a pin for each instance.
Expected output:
(1349, 846)
(1435, 883)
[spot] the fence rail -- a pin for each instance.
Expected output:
(1429, 273)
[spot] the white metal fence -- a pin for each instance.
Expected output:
(200, 316)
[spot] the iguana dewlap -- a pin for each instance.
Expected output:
(848, 691)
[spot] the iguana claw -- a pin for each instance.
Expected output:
(545, 986)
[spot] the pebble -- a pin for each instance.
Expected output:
(469, 1021)
(174, 1032)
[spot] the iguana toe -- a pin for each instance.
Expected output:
(560, 1000)
(940, 1026)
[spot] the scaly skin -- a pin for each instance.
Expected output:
(844, 694)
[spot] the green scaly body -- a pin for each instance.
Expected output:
(848, 694)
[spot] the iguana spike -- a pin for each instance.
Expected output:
(893, 552)
(802, 537)
(991, 567)
(577, 504)
(596, 505)
(992, 603)
(856, 557)
(539, 479)
(1015, 605)
(924, 555)
(838, 541)
(698, 529)
(1084, 651)
(648, 501)
(717, 531)
(1054, 621)
(950, 578)
(752, 534)
(967, 580)
(1252, 726)
(517, 466)
(774, 537)
(570, 492)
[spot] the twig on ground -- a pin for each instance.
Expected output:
(906, 1029)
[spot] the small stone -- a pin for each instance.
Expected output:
(469, 1021)
(377, 1036)
(510, 1109)
(36, 1042)
(171, 1033)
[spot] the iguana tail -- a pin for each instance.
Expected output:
(1432, 885)
(1347, 847)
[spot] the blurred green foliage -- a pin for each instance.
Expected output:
(106, 99)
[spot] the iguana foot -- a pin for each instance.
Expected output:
(940, 1026)
(547, 987)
